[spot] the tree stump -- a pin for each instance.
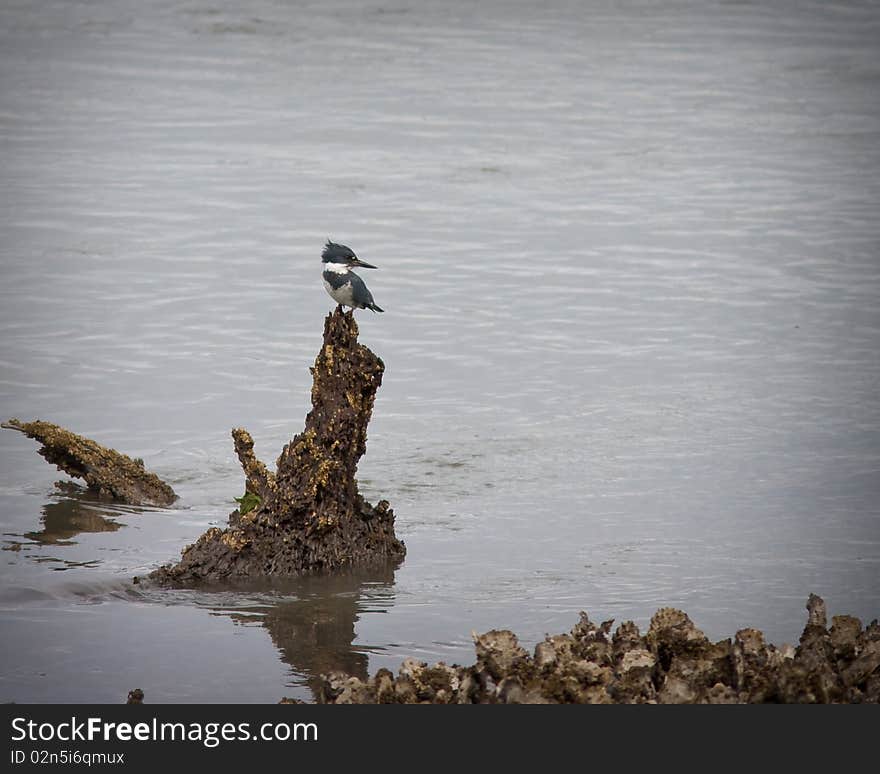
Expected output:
(308, 515)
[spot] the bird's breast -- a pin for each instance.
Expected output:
(339, 291)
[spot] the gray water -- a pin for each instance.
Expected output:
(630, 257)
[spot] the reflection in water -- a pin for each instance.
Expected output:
(313, 625)
(77, 511)
(65, 519)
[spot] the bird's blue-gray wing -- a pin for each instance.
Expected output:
(359, 292)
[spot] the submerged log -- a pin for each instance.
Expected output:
(308, 515)
(106, 472)
(673, 663)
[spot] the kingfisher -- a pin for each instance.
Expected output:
(343, 285)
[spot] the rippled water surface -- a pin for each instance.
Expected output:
(630, 260)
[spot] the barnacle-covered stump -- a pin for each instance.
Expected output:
(308, 515)
(106, 472)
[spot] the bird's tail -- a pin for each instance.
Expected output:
(375, 308)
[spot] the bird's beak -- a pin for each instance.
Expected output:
(363, 264)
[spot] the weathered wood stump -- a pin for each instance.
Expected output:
(107, 472)
(308, 515)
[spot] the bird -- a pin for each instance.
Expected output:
(343, 285)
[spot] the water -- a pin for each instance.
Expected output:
(629, 257)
